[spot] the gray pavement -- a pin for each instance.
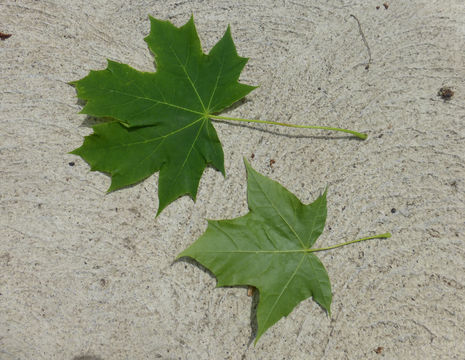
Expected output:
(90, 275)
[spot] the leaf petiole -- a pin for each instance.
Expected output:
(362, 136)
(379, 236)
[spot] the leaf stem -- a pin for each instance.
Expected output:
(379, 236)
(362, 136)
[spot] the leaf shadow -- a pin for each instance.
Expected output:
(235, 105)
(253, 316)
(290, 136)
(191, 261)
(90, 121)
(255, 296)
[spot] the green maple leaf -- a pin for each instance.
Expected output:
(162, 119)
(270, 248)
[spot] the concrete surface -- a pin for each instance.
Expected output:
(86, 275)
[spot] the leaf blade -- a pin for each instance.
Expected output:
(252, 250)
(169, 108)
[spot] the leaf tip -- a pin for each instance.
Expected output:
(249, 169)
(257, 337)
(228, 30)
(111, 64)
(160, 209)
(74, 152)
(190, 24)
(116, 184)
(181, 254)
(246, 162)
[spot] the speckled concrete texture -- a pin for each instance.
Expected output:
(89, 275)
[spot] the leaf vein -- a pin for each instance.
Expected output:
(284, 289)
(146, 141)
(190, 151)
(279, 213)
(220, 72)
(183, 67)
(155, 101)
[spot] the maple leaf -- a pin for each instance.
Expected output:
(162, 119)
(268, 249)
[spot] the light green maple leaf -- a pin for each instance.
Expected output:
(162, 119)
(270, 248)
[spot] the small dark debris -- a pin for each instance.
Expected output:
(386, 5)
(377, 7)
(71, 163)
(446, 93)
(393, 210)
(252, 156)
(379, 350)
(103, 282)
(4, 36)
(319, 88)
(272, 162)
